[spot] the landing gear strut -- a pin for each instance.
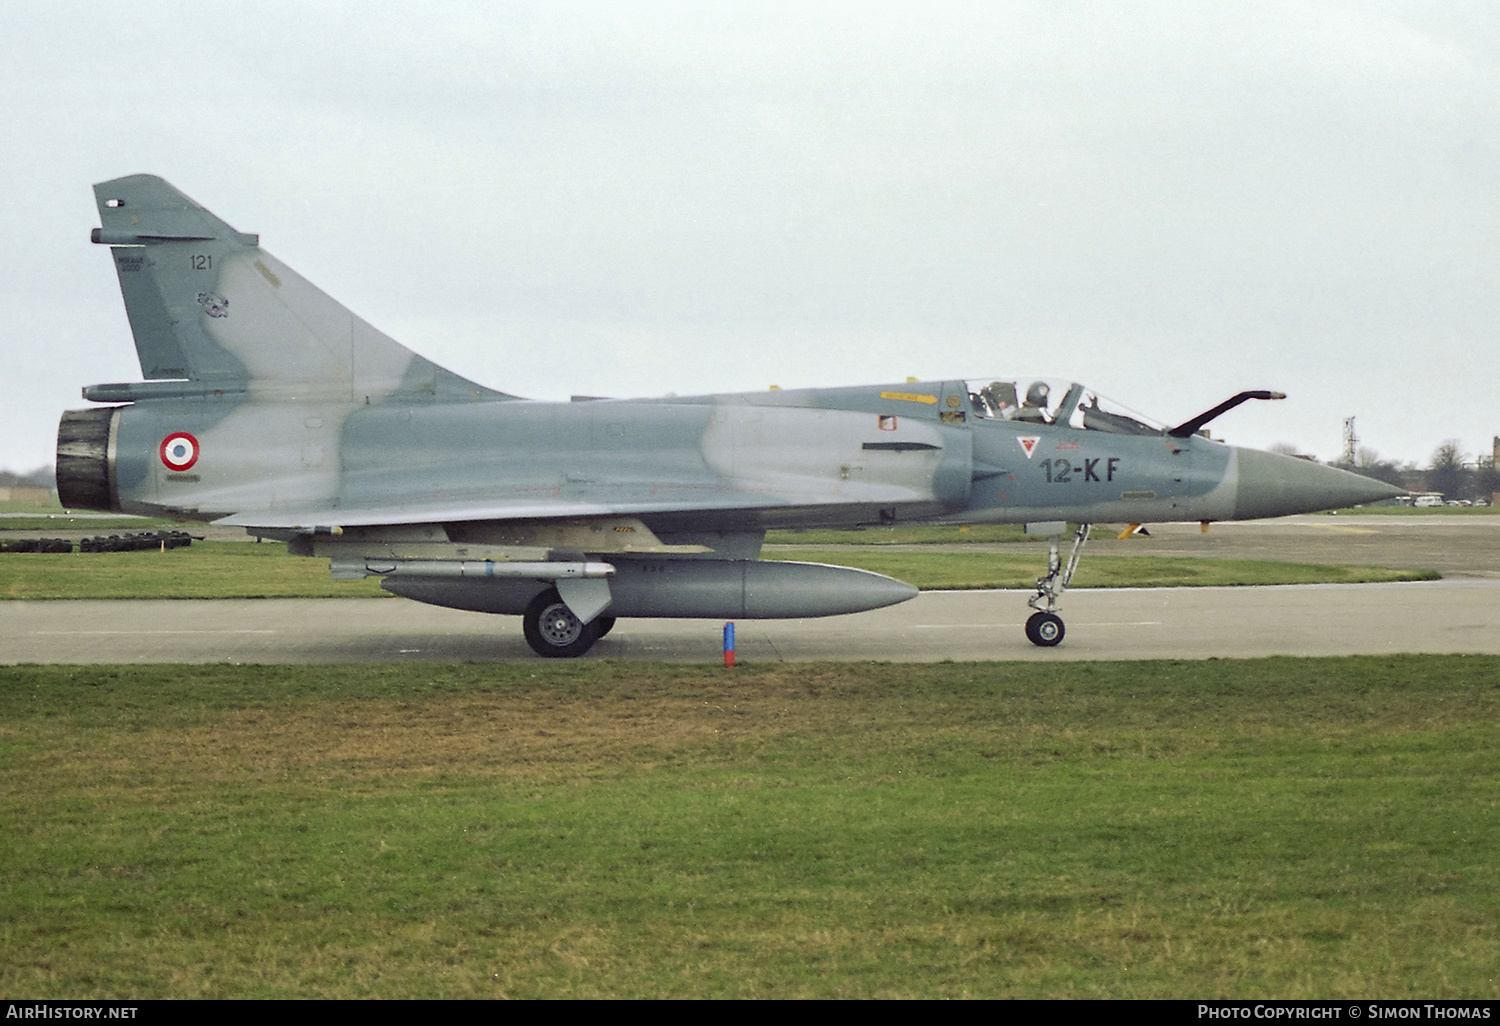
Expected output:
(1045, 627)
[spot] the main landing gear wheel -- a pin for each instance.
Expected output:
(553, 631)
(1044, 629)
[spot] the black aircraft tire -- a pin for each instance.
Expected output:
(603, 625)
(553, 631)
(1044, 629)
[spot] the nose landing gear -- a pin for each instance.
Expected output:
(1045, 627)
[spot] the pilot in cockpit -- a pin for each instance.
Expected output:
(996, 400)
(1034, 409)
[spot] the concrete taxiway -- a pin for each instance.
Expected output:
(1458, 614)
(1461, 615)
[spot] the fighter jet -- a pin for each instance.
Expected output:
(269, 406)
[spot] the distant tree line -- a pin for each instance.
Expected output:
(1450, 471)
(41, 477)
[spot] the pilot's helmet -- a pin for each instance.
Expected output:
(1037, 394)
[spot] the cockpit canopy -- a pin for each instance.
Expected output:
(1055, 401)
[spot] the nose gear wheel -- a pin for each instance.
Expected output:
(1045, 627)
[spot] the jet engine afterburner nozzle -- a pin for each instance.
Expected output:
(85, 474)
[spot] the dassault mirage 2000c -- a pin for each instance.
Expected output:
(269, 406)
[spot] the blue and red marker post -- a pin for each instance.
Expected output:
(729, 644)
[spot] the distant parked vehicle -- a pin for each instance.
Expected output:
(1428, 500)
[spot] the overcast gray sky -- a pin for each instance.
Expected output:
(1169, 201)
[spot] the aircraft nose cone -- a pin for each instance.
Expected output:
(1276, 486)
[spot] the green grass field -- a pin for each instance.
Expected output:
(1014, 533)
(1270, 828)
(247, 570)
(29, 506)
(203, 570)
(44, 526)
(963, 570)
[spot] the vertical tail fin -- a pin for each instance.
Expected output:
(207, 304)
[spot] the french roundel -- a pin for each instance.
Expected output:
(179, 451)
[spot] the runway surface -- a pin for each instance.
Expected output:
(1167, 623)
(1458, 614)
